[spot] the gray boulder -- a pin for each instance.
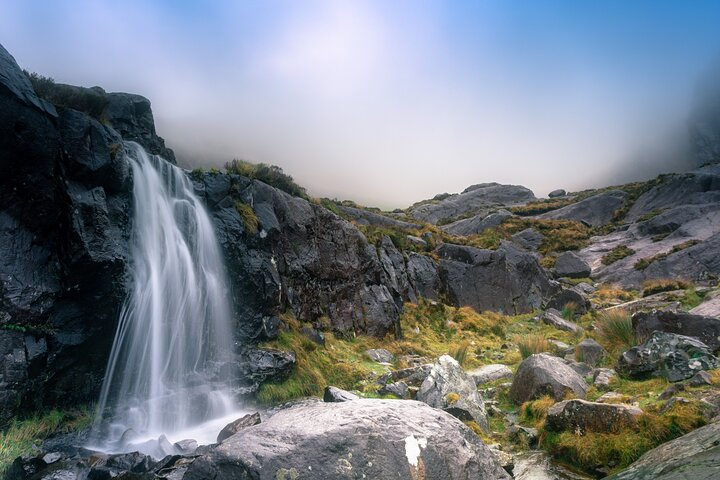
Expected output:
(709, 308)
(399, 389)
(594, 211)
(334, 394)
(706, 329)
(580, 416)
(602, 377)
(234, 427)
(667, 355)
(542, 374)
(557, 193)
(412, 376)
(695, 455)
(589, 351)
(675, 190)
(508, 280)
(477, 224)
(380, 355)
(554, 318)
(422, 272)
(570, 296)
(569, 264)
(448, 387)
(483, 197)
(490, 373)
(360, 439)
(528, 239)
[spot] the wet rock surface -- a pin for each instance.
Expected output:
(705, 329)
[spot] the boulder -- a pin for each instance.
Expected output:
(570, 297)
(490, 373)
(569, 264)
(589, 351)
(542, 374)
(361, 439)
(422, 272)
(258, 365)
(706, 329)
(528, 239)
(594, 211)
(667, 355)
(580, 416)
(554, 318)
(695, 455)
(399, 389)
(557, 193)
(448, 387)
(240, 424)
(412, 376)
(380, 355)
(477, 224)
(508, 280)
(700, 379)
(602, 377)
(481, 198)
(710, 307)
(334, 394)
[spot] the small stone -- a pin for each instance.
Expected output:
(490, 373)
(700, 379)
(399, 389)
(52, 457)
(240, 424)
(380, 355)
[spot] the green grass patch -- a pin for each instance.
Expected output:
(250, 220)
(22, 434)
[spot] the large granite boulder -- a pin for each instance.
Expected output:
(553, 318)
(448, 387)
(508, 280)
(706, 329)
(695, 456)
(667, 355)
(594, 211)
(358, 439)
(528, 239)
(580, 416)
(573, 298)
(481, 198)
(542, 374)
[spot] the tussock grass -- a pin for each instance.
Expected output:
(250, 220)
(614, 331)
(651, 287)
(534, 412)
(532, 344)
(22, 435)
(617, 253)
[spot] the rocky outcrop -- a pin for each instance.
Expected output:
(695, 455)
(477, 224)
(594, 211)
(336, 395)
(448, 387)
(580, 416)
(557, 193)
(528, 239)
(572, 298)
(542, 374)
(358, 439)
(589, 351)
(479, 199)
(367, 217)
(667, 355)
(706, 329)
(507, 280)
(569, 264)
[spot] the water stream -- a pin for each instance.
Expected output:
(175, 325)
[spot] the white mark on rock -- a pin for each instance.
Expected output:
(412, 449)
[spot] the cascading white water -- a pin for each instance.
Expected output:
(175, 325)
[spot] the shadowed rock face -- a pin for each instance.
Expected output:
(361, 438)
(509, 280)
(706, 329)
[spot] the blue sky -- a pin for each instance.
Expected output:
(389, 102)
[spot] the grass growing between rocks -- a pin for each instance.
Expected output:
(614, 331)
(592, 450)
(617, 253)
(22, 435)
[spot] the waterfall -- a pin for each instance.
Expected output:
(175, 325)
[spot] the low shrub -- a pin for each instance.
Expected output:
(532, 344)
(615, 331)
(617, 253)
(270, 174)
(651, 287)
(250, 220)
